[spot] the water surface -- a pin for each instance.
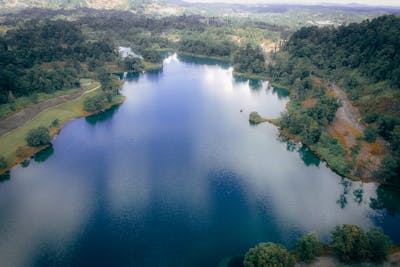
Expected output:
(176, 176)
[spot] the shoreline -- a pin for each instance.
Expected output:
(14, 159)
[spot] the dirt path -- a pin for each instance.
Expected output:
(347, 109)
(19, 118)
(348, 129)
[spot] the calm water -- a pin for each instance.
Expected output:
(176, 176)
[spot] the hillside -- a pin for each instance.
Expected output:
(363, 59)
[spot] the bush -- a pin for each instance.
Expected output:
(55, 123)
(308, 247)
(350, 243)
(3, 162)
(370, 135)
(268, 254)
(38, 137)
(94, 103)
(379, 245)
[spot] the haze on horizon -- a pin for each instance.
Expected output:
(306, 2)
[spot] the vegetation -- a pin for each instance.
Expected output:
(94, 103)
(308, 247)
(268, 254)
(352, 244)
(249, 60)
(367, 68)
(38, 137)
(349, 243)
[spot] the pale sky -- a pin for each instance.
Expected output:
(363, 2)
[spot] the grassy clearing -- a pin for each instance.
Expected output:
(63, 112)
(24, 101)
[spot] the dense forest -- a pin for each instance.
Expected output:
(50, 59)
(364, 59)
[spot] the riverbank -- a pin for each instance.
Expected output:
(13, 144)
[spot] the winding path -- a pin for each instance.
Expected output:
(21, 117)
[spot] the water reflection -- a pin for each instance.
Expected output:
(282, 93)
(102, 116)
(154, 75)
(203, 61)
(309, 158)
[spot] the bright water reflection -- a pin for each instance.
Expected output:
(176, 176)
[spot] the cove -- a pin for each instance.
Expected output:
(176, 176)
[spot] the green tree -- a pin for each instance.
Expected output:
(379, 245)
(38, 137)
(94, 103)
(389, 167)
(268, 254)
(350, 243)
(370, 135)
(308, 247)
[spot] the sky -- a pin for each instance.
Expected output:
(363, 2)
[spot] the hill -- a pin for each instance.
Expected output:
(363, 59)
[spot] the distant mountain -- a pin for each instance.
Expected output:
(144, 4)
(56, 4)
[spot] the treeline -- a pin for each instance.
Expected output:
(371, 46)
(362, 58)
(204, 45)
(350, 244)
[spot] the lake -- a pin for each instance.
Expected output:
(176, 176)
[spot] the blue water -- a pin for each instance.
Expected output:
(176, 176)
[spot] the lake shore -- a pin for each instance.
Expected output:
(13, 143)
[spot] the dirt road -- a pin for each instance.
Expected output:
(19, 118)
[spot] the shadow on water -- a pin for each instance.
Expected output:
(43, 155)
(102, 116)
(4, 177)
(387, 200)
(255, 85)
(204, 61)
(236, 262)
(25, 163)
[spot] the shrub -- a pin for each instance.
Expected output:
(55, 123)
(268, 254)
(94, 103)
(350, 243)
(370, 135)
(3, 162)
(379, 245)
(308, 247)
(38, 137)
